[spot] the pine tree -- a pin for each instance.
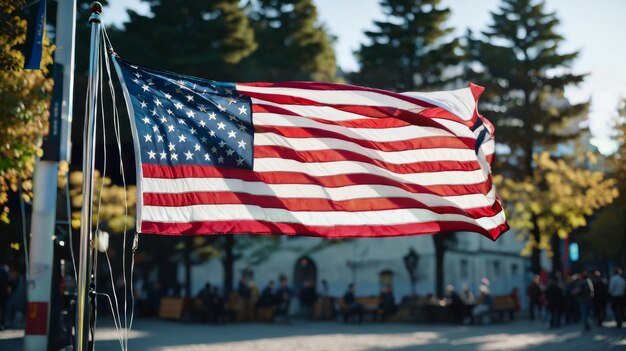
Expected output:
(293, 45)
(525, 73)
(205, 38)
(410, 50)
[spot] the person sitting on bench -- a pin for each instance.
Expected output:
(283, 298)
(352, 306)
(387, 302)
(484, 303)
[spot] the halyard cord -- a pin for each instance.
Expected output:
(127, 324)
(116, 122)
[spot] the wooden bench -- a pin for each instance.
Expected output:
(172, 308)
(323, 308)
(370, 307)
(503, 304)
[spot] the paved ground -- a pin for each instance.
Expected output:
(154, 335)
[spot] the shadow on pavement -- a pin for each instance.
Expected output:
(155, 335)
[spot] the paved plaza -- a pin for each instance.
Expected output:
(155, 335)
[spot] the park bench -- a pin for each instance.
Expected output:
(323, 308)
(502, 305)
(370, 307)
(172, 308)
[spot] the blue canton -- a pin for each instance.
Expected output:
(182, 120)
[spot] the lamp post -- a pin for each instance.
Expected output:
(411, 260)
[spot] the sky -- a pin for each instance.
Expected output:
(595, 28)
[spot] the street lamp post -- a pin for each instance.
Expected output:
(411, 260)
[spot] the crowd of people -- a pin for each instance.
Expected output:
(577, 298)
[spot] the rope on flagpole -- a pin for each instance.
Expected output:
(116, 123)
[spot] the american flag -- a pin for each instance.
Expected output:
(302, 158)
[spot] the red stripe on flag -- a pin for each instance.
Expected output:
(193, 171)
(334, 232)
(412, 118)
(449, 142)
(345, 155)
(307, 204)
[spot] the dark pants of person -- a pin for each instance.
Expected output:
(585, 311)
(599, 310)
(3, 311)
(468, 312)
(555, 317)
(534, 304)
(282, 309)
(617, 304)
(354, 308)
(217, 312)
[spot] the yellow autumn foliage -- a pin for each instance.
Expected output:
(559, 195)
(24, 100)
(109, 211)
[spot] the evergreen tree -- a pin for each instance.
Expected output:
(205, 38)
(410, 50)
(525, 74)
(293, 45)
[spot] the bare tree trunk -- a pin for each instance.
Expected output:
(440, 250)
(187, 253)
(557, 264)
(535, 259)
(229, 262)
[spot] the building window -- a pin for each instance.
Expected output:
(385, 278)
(496, 268)
(464, 269)
(514, 269)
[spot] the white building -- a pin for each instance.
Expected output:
(376, 261)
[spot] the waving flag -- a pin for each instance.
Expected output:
(302, 158)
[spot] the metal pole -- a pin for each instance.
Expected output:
(45, 183)
(89, 149)
(41, 249)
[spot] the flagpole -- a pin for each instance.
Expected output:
(84, 270)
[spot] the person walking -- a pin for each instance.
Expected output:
(617, 291)
(554, 300)
(600, 297)
(4, 292)
(584, 293)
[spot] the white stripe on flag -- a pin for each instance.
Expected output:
(370, 134)
(397, 157)
(336, 97)
(199, 213)
(311, 191)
